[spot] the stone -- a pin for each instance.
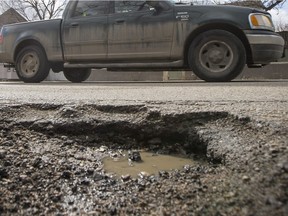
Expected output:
(246, 178)
(125, 177)
(3, 173)
(102, 149)
(144, 174)
(2, 154)
(285, 166)
(66, 175)
(134, 156)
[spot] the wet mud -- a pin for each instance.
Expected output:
(52, 162)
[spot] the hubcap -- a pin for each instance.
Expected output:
(29, 64)
(216, 56)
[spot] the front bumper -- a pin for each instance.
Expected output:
(265, 47)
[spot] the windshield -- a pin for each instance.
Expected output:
(179, 1)
(183, 1)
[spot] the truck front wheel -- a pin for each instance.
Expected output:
(76, 75)
(32, 65)
(217, 56)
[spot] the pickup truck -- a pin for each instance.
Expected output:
(215, 42)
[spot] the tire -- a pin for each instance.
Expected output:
(32, 65)
(217, 56)
(76, 75)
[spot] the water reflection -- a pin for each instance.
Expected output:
(151, 163)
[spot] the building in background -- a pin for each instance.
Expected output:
(8, 17)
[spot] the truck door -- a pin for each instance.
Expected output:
(138, 30)
(85, 31)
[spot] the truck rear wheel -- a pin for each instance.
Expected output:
(32, 65)
(76, 75)
(217, 56)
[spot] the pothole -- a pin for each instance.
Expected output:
(166, 142)
(150, 164)
(53, 161)
(173, 140)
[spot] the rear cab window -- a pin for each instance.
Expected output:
(90, 8)
(131, 6)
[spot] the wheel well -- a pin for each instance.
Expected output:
(25, 44)
(230, 28)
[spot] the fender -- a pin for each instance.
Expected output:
(48, 36)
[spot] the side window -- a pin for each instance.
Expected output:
(131, 6)
(90, 8)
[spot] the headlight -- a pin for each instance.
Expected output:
(261, 21)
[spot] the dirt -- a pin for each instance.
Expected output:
(52, 161)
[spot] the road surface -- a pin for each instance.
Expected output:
(54, 137)
(65, 92)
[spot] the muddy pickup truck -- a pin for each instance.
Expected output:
(215, 42)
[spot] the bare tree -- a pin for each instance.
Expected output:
(263, 4)
(204, 2)
(35, 9)
(281, 26)
(274, 4)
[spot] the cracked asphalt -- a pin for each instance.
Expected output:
(54, 136)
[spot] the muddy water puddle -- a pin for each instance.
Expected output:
(150, 164)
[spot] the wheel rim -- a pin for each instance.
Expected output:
(29, 64)
(216, 56)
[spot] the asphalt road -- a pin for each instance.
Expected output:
(109, 92)
(51, 155)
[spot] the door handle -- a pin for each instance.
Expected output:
(119, 21)
(73, 25)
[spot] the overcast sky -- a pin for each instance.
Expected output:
(280, 15)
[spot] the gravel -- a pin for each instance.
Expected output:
(52, 159)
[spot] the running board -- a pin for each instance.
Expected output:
(147, 65)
